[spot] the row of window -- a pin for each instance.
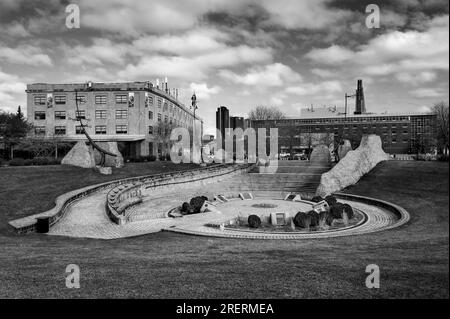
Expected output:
(101, 114)
(99, 129)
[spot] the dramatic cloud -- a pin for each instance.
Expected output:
(24, 54)
(276, 74)
(202, 91)
(288, 53)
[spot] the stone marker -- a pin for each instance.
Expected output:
(110, 161)
(353, 166)
(344, 148)
(80, 155)
(320, 155)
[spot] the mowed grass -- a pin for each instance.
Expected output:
(413, 259)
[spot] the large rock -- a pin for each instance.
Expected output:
(110, 161)
(80, 155)
(320, 155)
(344, 148)
(353, 166)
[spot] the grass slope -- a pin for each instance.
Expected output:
(413, 259)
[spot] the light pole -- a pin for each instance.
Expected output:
(194, 107)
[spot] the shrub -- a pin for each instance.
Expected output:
(41, 161)
(17, 162)
(254, 221)
(186, 209)
(326, 217)
(314, 218)
(2, 162)
(55, 161)
(151, 158)
(197, 203)
(317, 199)
(331, 200)
(28, 162)
(302, 220)
(336, 210)
(168, 157)
(349, 210)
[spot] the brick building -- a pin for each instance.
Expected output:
(400, 133)
(127, 113)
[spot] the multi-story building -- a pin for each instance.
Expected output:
(237, 122)
(131, 113)
(400, 133)
(222, 122)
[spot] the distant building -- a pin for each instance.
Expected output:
(127, 113)
(360, 104)
(236, 121)
(321, 111)
(222, 122)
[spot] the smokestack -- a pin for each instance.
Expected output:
(360, 107)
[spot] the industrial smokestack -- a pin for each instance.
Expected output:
(360, 107)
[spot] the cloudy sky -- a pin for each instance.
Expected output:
(237, 53)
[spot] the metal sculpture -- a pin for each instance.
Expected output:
(102, 151)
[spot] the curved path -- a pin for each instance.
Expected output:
(87, 218)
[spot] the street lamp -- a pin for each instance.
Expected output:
(194, 107)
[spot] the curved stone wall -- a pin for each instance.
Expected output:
(124, 196)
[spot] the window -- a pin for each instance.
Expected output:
(159, 117)
(121, 129)
(39, 115)
(100, 99)
(166, 119)
(150, 130)
(60, 130)
(39, 130)
(150, 115)
(60, 115)
(165, 107)
(121, 114)
(150, 100)
(79, 129)
(100, 114)
(122, 99)
(100, 129)
(159, 103)
(81, 99)
(40, 100)
(80, 114)
(60, 99)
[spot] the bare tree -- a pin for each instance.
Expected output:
(162, 132)
(442, 126)
(266, 113)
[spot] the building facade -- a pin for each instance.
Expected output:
(400, 133)
(128, 113)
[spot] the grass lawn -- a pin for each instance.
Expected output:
(413, 259)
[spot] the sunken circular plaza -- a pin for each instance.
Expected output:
(150, 204)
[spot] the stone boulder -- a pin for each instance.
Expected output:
(110, 161)
(197, 203)
(344, 148)
(254, 221)
(320, 155)
(80, 155)
(353, 166)
(302, 220)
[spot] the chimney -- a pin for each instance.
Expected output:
(360, 107)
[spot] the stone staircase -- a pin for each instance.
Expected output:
(289, 176)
